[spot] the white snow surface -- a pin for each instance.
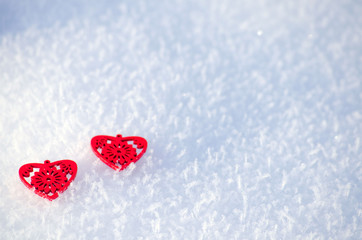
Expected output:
(252, 110)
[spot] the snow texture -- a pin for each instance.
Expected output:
(252, 110)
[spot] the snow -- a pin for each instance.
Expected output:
(252, 111)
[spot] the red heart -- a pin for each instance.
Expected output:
(48, 179)
(118, 152)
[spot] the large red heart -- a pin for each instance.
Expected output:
(118, 152)
(48, 179)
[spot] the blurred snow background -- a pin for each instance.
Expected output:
(252, 111)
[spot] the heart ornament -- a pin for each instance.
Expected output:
(118, 152)
(48, 179)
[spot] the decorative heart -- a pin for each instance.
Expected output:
(48, 179)
(118, 152)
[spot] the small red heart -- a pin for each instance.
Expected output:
(118, 152)
(48, 179)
